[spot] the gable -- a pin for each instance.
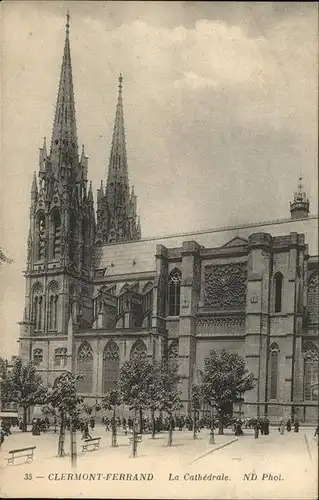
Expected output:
(235, 242)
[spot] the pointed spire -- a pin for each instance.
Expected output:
(117, 179)
(64, 148)
(118, 205)
(44, 147)
(299, 207)
(82, 153)
(90, 194)
(43, 156)
(34, 188)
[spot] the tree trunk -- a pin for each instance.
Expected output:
(141, 421)
(24, 424)
(170, 432)
(73, 444)
(194, 424)
(114, 436)
(61, 437)
(221, 423)
(153, 423)
(134, 436)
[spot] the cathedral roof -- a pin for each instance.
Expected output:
(139, 256)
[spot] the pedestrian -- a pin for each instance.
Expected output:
(86, 432)
(266, 426)
(281, 427)
(288, 425)
(2, 436)
(296, 425)
(316, 431)
(107, 424)
(256, 428)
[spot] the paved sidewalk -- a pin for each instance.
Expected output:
(178, 471)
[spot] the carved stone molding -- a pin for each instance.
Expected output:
(212, 325)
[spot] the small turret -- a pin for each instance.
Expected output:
(299, 207)
(43, 156)
(84, 163)
(90, 193)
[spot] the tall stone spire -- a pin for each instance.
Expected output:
(117, 187)
(299, 207)
(117, 219)
(64, 147)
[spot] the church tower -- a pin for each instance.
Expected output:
(62, 225)
(299, 207)
(117, 220)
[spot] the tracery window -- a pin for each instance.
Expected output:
(173, 349)
(138, 349)
(37, 356)
(73, 238)
(53, 303)
(56, 229)
(278, 282)
(111, 366)
(41, 237)
(313, 298)
(85, 367)
(174, 292)
(311, 371)
(37, 305)
(60, 357)
(273, 370)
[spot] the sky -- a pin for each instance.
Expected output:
(220, 109)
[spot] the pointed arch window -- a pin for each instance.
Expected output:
(138, 349)
(173, 349)
(85, 367)
(311, 372)
(278, 286)
(111, 366)
(37, 304)
(37, 356)
(273, 371)
(86, 242)
(41, 236)
(73, 238)
(174, 292)
(313, 298)
(56, 229)
(53, 304)
(60, 357)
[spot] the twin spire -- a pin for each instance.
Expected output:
(119, 205)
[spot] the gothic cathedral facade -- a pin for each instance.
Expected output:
(96, 291)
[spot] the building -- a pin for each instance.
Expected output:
(96, 291)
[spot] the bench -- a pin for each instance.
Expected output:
(91, 444)
(22, 452)
(138, 438)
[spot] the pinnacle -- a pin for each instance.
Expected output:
(34, 188)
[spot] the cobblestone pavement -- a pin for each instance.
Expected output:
(269, 467)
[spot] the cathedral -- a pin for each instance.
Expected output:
(97, 292)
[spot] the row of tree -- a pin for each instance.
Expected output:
(143, 385)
